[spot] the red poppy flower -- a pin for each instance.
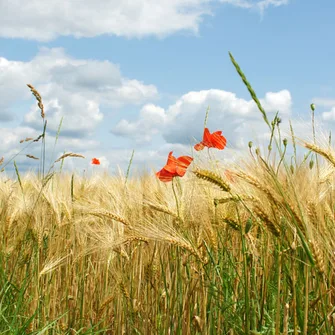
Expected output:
(95, 161)
(174, 167)
(215, 140)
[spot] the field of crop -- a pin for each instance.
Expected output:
(247, 248)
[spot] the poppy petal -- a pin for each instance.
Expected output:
(207, 138)
(164, 175)
(183, 163)
(218, 141)
(95, 161)
(199, 146)
(171, 164)
(174, 167)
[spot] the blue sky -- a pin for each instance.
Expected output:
(139, 75)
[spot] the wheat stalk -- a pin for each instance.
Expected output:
(212, 178)
(253, 181)
(233, 198)
(109, 215)
(104, 305)
(326, 154)
(318, 256)
(273, 228)
(295, 216)
(232, 223)
(161, 208)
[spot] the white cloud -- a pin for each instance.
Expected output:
(239, 119)
(261, 5)
(151, 120)
(46, 20)
(11, 137)
(69, 87)
(74, 89)
(323, 102)
(329, 116)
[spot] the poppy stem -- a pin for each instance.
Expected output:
(175, 196)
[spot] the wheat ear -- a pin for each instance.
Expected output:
(212, 178)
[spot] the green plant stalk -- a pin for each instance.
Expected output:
(293, 143)
(314, 139)
(246, 279)
(175, 196)
(206, 117)
(20, 183)
(254, 300)
(306, 300)
(43, 149)
(281, 159)
(278, 290)
(253, 95)
(263, 283)
(294, 296)
(72, 184)
(250, 89)
(323, 295)
(179, 280)
(18, 176)
(273, 125)
(128, 169)
(56, 140)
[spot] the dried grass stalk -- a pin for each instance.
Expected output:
(38, 98)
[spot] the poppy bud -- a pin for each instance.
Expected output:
(250, 144)
(285, 142)
(313, 107)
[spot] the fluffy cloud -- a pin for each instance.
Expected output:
(70, 88)
(326, 103)
(329, 116)
(121, 18)
(239, 119)
(261, 5)
(10, 138)
(46, 20)
(323, 102)
(152, 118)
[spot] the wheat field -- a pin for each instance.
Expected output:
(247, 248)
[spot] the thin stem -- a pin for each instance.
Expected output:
(306, 300)
(175, 196)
